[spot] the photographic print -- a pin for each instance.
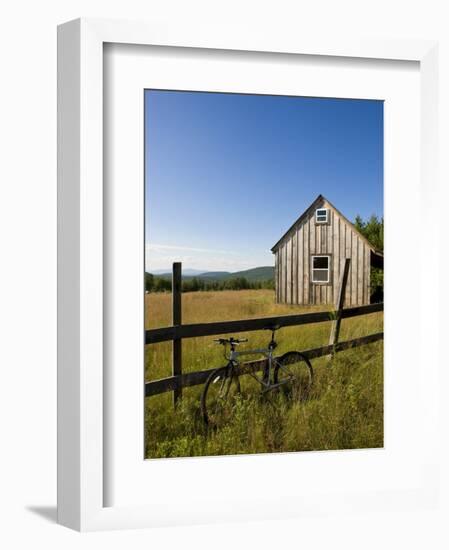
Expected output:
(263, 274)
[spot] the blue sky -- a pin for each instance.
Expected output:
(227, 174)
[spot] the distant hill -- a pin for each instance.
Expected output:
(255, 274)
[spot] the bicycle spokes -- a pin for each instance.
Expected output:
(294, 374)
(219, 396)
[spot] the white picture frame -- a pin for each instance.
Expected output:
(81, 383)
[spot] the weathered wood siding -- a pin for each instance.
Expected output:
(339, 240)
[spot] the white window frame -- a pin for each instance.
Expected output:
(328, 269)
(321, 210)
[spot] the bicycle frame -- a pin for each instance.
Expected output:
(264, 381)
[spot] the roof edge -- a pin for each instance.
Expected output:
(301, 217)
(298, 220)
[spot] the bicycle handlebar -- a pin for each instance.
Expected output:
(231, 341)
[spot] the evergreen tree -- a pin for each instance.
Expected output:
(373, 230)
(149, 282)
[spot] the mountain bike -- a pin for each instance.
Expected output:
(291, 373)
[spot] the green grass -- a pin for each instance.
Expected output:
(344, 411)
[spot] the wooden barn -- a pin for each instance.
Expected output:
(310, 258)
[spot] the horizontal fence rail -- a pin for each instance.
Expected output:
(188, 379)
(165, 334)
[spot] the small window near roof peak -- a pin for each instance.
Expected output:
(322, 215)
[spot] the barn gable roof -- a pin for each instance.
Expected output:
(312, 207)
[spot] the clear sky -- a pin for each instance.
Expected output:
(227, 174)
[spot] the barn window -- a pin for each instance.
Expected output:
(320, 269)
(321, 215)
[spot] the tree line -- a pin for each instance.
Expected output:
(373, 230)
(153, 283)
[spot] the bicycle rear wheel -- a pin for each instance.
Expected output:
(218, 397)
(294, 372)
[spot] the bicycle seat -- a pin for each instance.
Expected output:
(272, 327)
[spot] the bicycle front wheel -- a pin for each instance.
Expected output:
(294, 373)
(218, 397)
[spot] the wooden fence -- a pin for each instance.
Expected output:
(178, 331)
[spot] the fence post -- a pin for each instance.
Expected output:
(339, 303)
(177, 320)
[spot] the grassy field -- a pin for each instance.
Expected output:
(344, 411)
